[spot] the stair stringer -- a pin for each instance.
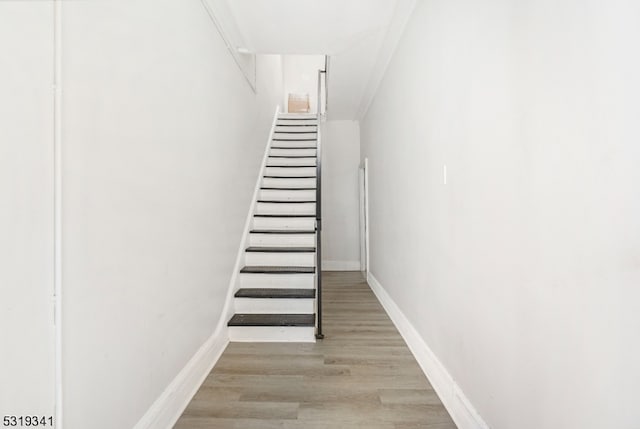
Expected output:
(169, 406)
(234, 283)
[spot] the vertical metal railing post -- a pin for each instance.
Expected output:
(319, 334)
(326, 82)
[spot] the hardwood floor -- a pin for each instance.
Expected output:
(362, 375)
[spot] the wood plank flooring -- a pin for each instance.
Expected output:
(362, 375)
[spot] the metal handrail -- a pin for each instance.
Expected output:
(319, 334)
(326, 83)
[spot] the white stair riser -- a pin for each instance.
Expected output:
(280, 259)
(288, 183)
(307, 122)
(287, 144)
(274, 305)
(303, 138)
(285, 115)
(282, 281)
(284, 223)
(297, 116)
(295, 135)
(296, 128)
(298, 240)
(290, 172)
(287, 194)
(288, 208)
(280, 334)
(293, 152)
(292, 161)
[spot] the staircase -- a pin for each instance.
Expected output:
(276, 300)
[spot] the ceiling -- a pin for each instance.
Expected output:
(359, 35)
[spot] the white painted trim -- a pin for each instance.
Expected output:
(231, 46)
(402, 13)
(244, 241)
(455, 401)
(168, 408)
(361, 204)
(341, 265)
(367, 222)
(227, 311)
(57, 211)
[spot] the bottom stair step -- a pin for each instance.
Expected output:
(272, 334)
(275, 293)
(307, 320)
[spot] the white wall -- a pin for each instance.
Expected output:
(163, 138)
(340, 203)
(300, 74)
(522, 272)
(26, 209)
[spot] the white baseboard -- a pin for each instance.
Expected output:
(341, 265)
(168, 408)
(460, 408)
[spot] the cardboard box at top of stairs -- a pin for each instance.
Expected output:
(299, 103)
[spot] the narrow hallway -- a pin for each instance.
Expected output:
(362, 375)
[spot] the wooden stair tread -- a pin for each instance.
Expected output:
(273, 320)
(277, 270)
(276, 293)
(292, 166)
(282, 231)
(295, 132)
(289, 177)
(293, 156)
(286, 189)
(283, 215)
(304, 118)
(281, 249)
(286, 201)
(293, 147)
(295, 140)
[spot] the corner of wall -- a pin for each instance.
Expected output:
(402, 13)
(455, 401)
